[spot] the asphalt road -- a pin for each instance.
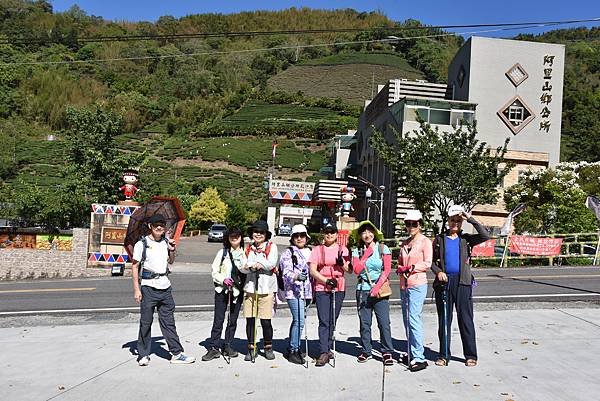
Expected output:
(194, 291)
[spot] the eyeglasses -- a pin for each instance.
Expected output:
(298, 235)
(413, 224)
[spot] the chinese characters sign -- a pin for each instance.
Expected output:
(535, 246)
(546, 97)
(113, 235)
(484, 249)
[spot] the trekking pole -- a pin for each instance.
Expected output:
(383, 384)
(333, 329)
(228, 310)
(306, 306)
(407, 325)
(445, 318)
(255, 319)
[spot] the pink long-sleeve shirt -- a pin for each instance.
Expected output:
(418, 253)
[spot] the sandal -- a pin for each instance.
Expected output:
(441, 362)
(471, 362)
(363, 357)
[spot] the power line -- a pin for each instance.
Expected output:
(268, 49)
(204, 35)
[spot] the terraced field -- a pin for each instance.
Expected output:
(352, 77)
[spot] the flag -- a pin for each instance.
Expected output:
(505, 230)
(593, 203)
(274, 148)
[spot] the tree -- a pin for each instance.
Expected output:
(555, 200)
(237, 215)
(209, 208)
(437, 169)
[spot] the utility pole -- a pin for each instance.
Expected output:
(380, 190)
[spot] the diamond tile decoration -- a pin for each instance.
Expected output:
(517, 74)
(516, 114)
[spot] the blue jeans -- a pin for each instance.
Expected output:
(327, 319)
(297, 309)
(366, 306)
(412, 309)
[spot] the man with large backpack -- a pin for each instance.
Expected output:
(151, 256)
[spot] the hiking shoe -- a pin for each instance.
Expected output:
(183, 359)
(269, 354)
(416, 366)
(144, 361)
(323, 359)
(364, 357)
(230, 352)
(296, 358)
(249, 356)
(212, 353)
(388, 360)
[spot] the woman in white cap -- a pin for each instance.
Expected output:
(297, 287)
(453, 283)
(413, 263)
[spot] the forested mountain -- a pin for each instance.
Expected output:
(201, 102)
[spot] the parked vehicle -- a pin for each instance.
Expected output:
(216, 232)
(284, 229)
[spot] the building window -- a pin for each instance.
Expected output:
(439, 117)
(517, 74)
(515, 114)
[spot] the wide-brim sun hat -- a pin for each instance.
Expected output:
(299, 229)
(354, 237)
(330, 227)
(413, 215)
(260, 225)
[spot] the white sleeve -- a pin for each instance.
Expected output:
(138, 249)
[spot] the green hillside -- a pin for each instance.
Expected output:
(350, 76)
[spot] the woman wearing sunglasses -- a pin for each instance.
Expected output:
(414, 261)
(297, 286)
(328, 262)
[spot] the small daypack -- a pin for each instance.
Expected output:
(239, 279)
(150, 275)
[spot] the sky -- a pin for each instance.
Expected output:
(432, 12)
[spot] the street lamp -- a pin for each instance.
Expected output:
(368, 193)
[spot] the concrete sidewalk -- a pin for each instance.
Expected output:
(526, 354)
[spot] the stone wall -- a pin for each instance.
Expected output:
(17, 264)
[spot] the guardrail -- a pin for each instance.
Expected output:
(577, 249)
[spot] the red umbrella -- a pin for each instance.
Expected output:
(171, 210)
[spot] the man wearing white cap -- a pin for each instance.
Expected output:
(453, 282)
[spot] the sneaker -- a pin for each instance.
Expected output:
(230, 352)
(182, 359)
(323, 359)
(249, 356)
(269, 354)
(364, 357)
(296, 358)
(144, 361)
(416, 366)
(212, 353)
(388, 360)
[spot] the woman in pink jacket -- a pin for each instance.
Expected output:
(414, 261)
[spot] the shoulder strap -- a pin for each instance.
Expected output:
(224, 253)
(268, 248)
(381, 249)
(247, 251)
(145, 246)
(294, 257)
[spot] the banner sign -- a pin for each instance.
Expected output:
(535, 246)
(484, 249)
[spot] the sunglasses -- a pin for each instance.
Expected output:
(413, 224)
(259, 232)
(298, 235)
(158, 226)
(330, 232)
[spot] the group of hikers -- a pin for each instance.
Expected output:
(254, 277)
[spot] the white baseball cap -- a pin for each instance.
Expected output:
(413, 215)
(455, 210)
(300, 228)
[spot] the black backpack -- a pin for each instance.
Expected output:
(239, 279)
